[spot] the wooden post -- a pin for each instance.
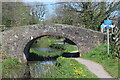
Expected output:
(108, 41)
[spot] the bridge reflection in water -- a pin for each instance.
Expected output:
(37, 66)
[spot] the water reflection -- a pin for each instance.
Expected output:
(40, 65)
(38, 68)
(44, 49)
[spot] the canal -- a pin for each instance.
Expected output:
(43, 58)
(39, 65)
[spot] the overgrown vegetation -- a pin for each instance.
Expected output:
(19, 14)
(58, 50)
(47, 54)
(109, 61)
(85, 14)
(46, 41)
(58, 46)
(115, 43)
(66, 48)
(68, 68)
(70, 48)
(12, 67)
(50, 42)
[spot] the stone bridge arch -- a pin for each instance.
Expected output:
(17, 41)
(27, 44)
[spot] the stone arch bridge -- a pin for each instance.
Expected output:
(16, 42)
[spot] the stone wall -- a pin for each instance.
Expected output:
(17, 41)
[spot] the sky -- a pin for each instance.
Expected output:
(49, 5)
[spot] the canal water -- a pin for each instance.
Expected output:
(40, 68)
(45, 49)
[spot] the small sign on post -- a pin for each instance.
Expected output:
(108, 23)
(102, 28)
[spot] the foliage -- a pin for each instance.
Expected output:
(116, 40)
(49, 42)
(15, 14)
(9, 61)
(66, 48)
(37, 13)
(46, 41)
(109, 61)
(47, 54)
(12, 67)
(85, 14)
(68, 68)
(41, 43)
(70, 48)
(19, 14)
(59, 49)
(39, 10)
(58, 46)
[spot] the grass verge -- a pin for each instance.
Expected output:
(65, 48)
(68, 68)
(109, 61)
(12, 67)
(70, 48)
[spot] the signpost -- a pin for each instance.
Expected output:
(108, 42)
(108, 23)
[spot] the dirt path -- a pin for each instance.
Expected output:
(94, 67)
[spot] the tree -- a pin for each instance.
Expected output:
(15, 14)
(116, 38)
(19, 14)
(64, 15)
(38, 13)
(7, 16)
(87, 14)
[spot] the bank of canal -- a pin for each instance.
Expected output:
(47, 60)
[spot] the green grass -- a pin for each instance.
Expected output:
(12, 67)
(46, 41)
(57, 46)
(54, 52)
(42, 42)
(70, 48)
(49, 42)
(68, 68)
(47, 54)
(109, 62)
(65, 48)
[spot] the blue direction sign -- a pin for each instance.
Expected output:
(107, 22)
(107, 27)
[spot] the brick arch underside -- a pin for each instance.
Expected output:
(28, 42)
